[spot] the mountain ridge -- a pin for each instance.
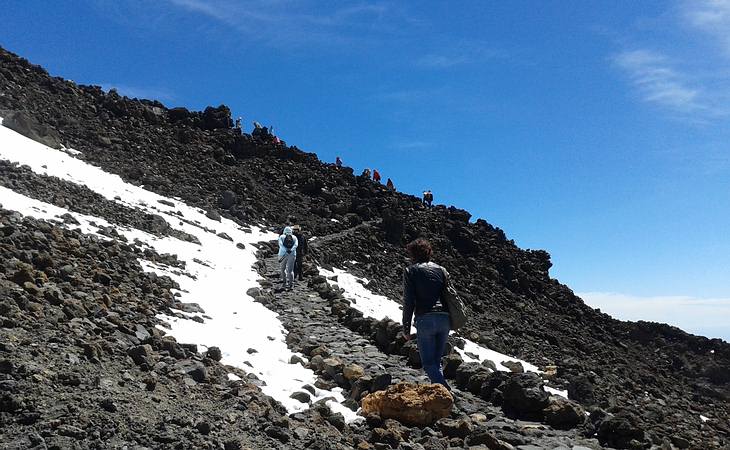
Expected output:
(517, 307)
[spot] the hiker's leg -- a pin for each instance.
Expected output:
(282, 269)
(298, 268)
(290, 269)
(426, 339)
(441, 337)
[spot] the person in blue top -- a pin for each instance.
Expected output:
(287, 256)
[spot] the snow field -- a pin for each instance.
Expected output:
(236, 323)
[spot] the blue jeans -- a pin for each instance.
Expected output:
(432, 330)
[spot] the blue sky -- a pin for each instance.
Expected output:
(598, 131)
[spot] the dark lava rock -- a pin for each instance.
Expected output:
(301, 397)
(562, 413)
(228, 199)
(523, 395)
(142, 355)
(214, 353)
(25, 124)
(621, 430)
(454, 428)
(194, 369)
(278, 433)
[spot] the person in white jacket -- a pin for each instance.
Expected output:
(287, 256)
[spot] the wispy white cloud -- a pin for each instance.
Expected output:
(702, 316)
(711, 17)
(295, 23)
(689, 77)
(459, 55)
(659, 83)
(150, 93)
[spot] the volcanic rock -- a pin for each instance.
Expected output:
(418, 405)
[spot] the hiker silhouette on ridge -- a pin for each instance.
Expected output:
(423, 283)
(287, 257)
(376, 176)
(427, 198)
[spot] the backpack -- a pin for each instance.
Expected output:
(455, 305)
(288, 241)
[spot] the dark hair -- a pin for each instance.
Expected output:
(420, 250)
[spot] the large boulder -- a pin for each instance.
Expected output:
(411, 404)
(523, 395)
(621, 430)
(26, 125)
(563, 413)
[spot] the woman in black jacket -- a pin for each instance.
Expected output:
(423, 284)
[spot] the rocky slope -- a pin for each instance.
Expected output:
(657, 377)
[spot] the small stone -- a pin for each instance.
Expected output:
(108, 405)
(337, 420)
(214, 353)
(353, 372)
(203, 427)
(232, 444)
(213, 215)
(514, 366)
(142, 355)
(194, 369)
(454, 428)
(278, 433)
(6, 366)
(71, 431)
(301, 397)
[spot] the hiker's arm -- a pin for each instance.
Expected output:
(296, 243)
(409, 303)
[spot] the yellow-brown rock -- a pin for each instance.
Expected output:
(411, 404)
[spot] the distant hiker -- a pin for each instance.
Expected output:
(366, 173)
(376, 176)
(238, 123)
(423, 283)
(287, 256)
(302, 251)
(277, 141)
(257, 130)
(338, 162)
(389, 184)
(427, 198)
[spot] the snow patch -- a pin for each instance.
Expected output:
(380, 307)
(235, 322)
(562, 393)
